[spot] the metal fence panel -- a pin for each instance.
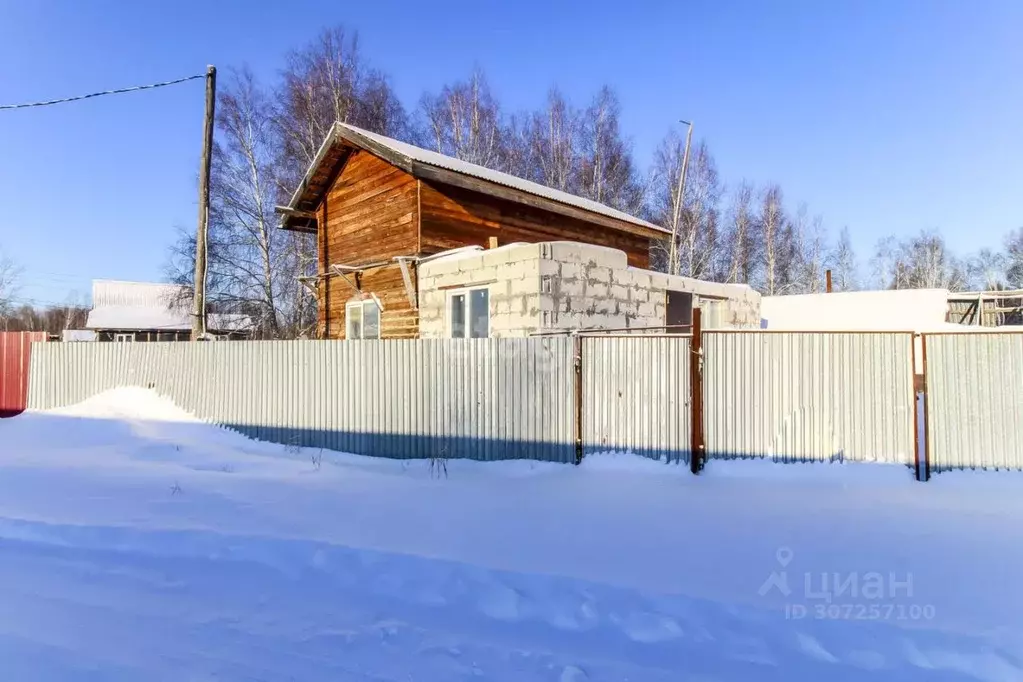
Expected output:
(636, 396)
(476, 398)
(15, 351)
(974, 400)
(809, 396)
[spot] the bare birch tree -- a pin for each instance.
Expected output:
(801, 252)
(699, 214)
(10, 273)
(919, 262)
(814, 257)
(464, 121)
(986, 270)
(1014, 258)
(842, 262)
(770, 224)
(550, 139)
(606, 171)
(326, 81)
(741, 249)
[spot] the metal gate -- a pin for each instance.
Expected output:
(636, 396)
(974, 400)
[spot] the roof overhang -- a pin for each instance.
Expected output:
(299, 214)
(341, 141)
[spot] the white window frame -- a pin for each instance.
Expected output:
(467, 291)
(361, 305)
(124, 337)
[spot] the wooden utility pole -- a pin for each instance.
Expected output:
(199, 295)
(673, 265)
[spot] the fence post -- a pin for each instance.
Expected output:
(923, 473)
(696, 447)
(578, 342)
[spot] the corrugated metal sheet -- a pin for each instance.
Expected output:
(15, 351)
(974, 400)
(477, 398)
(636, 396)
(807, 396)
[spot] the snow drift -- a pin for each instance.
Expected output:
(139, 543)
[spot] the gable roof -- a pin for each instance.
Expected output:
(152, 306)
(428, 165)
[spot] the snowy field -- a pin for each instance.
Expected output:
(139, 544)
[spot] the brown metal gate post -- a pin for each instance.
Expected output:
(696, 448)
(578, 399)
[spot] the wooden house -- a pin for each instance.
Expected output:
(379, 206)
(149, 311)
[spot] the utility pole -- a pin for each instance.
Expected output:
(673, 264)
(199, 294)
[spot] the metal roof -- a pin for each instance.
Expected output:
(150, 306)
(407, 156)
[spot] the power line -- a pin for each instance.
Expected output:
(100, 94)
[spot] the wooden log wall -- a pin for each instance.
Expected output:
(453, 217)
(368, 215)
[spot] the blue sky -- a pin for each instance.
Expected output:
(888, 117)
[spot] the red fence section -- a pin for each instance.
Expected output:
(15, 348)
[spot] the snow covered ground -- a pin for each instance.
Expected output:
(137, 543)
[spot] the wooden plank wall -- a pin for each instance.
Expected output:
(453, 217)
(370, 215)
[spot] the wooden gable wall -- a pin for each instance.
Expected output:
(369, 214)
(452, 217)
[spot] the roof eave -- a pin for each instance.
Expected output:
(425, 171)
(444, 176)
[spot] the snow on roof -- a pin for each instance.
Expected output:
(916, 310)
(410, 153)
(69, 335)
(150, 305)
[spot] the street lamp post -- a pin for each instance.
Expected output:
(673, 264)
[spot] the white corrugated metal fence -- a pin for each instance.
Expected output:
(789, 396)
(479, 398)
(807, 396)
(974, 400)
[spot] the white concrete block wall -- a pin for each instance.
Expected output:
(511, 275)
(568, 285)
(593, 287)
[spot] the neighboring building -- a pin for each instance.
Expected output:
(908, 310)
(145, 311)
(915, 310)
(523, 289)
(986, 308)
(378, 206)
(77, 335)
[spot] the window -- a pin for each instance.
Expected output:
(124, 337)
(469, 313)
(362, 320)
